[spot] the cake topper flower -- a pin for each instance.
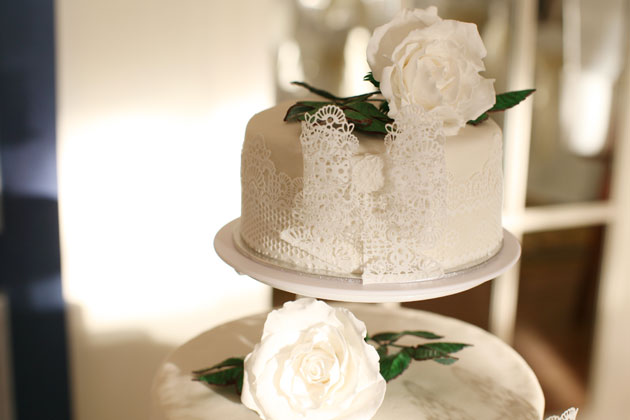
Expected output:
(420, 59)
(314, 362)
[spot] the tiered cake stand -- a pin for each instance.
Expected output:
(490, 381)
(349, 289)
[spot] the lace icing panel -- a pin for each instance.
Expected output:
(410, 213)
(392, 217)
(570, 414)
(267, 200)
(323, 210)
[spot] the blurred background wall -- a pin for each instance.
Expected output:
(152, 98)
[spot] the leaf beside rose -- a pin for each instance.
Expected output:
(362, 111)
(358, 110)
(504, 101)
(230, 371)
(393, 365)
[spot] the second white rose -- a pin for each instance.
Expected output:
(313, 363)
(421, 59)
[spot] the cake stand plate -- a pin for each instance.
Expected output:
(489, 381)
(351, 289)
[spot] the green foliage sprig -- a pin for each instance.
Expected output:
(394, 364)
(359, 110)
(230, 371)
(504, 101)
(368, 112)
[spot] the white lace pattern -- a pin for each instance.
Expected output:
(570, 414)
(392, 217)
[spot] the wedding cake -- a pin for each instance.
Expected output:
(400, 184)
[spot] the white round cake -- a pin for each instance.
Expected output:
(407, 209)
(490, 381)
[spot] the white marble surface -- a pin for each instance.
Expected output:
(489, 382)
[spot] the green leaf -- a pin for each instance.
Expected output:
(366, 117)
(393, 365)
(392, 337)
(368, 109)
(370, 78)
(504, 101)
(447, 347)
(228, 372)
(375, 127)
(296, 112)
(384, 107)
(317, 91)
(509, 99)
(479, 119)
(423, 334)
(225, 377)
(366, 125)
(422, 352)
(387, 336)
(357, 118)
(382, 351)
(239, 383)
(335, 99)
(230, 362)
(439, 352)
(357, 98)
(446, 360)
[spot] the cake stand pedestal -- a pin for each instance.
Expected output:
(351, 289)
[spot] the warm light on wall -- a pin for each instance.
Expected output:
(592, 62)
(142, 196)
(153, 98)
(356, 65)
(585, 111)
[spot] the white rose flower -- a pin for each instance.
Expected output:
(313, 363)
(421, 59)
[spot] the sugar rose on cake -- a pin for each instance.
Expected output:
(419, 58)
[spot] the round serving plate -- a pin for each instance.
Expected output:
(489, 381)
(350, 289)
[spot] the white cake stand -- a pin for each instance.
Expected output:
(351, 289)
(489, 381)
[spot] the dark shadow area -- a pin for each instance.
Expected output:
(30, 275)
(471, 306)
(556, 312)
(30, 272)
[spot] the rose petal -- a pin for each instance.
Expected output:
(432, 63)
(386, 37)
